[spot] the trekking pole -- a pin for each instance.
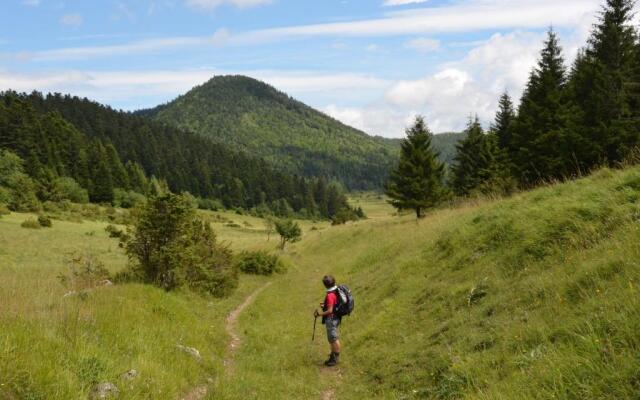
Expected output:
(313, 337)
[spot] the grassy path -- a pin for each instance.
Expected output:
(232, 328)
(200, 391)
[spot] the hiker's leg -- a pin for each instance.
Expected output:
(335, 346)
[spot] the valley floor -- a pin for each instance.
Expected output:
(532, 297)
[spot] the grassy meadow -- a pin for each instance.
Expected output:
(531, 297)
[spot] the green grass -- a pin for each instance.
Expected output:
(52, 347)
(532, 297)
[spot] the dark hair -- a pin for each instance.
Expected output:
(329, 281)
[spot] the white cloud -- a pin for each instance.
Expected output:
(423, 45)
(211, 4)
(389, 3)
(461, 17)
(31, 3)
(71, 19)
(124, 86)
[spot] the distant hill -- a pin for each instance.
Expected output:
(253, 116)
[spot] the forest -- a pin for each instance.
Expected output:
(62, 147)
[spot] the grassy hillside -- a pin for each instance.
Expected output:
(532, 297)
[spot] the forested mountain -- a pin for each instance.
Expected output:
(253, 116)
(103, 149)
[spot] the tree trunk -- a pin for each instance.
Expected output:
(418, 212)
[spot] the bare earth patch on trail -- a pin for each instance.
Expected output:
(333, 376)
(201, 391)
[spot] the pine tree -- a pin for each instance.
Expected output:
(603, 86)
(503, 124)
(118, 171)
(475, 161)
(101, 189)
(416, 182)
(539, 140)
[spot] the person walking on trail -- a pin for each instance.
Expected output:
(330, 319)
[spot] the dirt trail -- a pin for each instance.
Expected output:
(201, 391)
(334, 376)
(232, 325)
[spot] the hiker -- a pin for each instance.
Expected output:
(330, 319)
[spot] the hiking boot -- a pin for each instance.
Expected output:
(333, 360)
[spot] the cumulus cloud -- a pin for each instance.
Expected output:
(423, 45)
(211, 4)
(71, 19)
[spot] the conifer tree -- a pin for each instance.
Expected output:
(603, 86)
(475, 161)
(503, 124)
(540, 151)
(417, 181)
(118, 172)
(101, 189)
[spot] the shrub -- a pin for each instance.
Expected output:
(67, 188)
(113, 231)
(289, 231)
(84, 271)
(31, 223)
(4, 210)
(44, 221)
(127, 199)
(209, 204)
(260, 263)
(171, 248)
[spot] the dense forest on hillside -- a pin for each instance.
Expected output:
(103, 150)
(251, 115)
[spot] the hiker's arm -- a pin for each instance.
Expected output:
(324, 313)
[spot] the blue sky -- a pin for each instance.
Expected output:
(373, 64)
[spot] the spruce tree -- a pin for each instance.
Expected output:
(503, 124)
(539, 144)
(603, 87)
(475, 161)
(101, 189)
(416, 182)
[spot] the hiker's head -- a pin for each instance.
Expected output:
(328, 281)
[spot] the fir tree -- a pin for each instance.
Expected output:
(503, 124)
(416, 182)
(540, 151)
(603, 87)
(475, 161)
(101, 190)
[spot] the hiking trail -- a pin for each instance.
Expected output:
(199, 392)
(334, 376)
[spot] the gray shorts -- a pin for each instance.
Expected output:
(332, 328)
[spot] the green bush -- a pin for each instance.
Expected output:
(84, 271)
(67, 188)
(171, 248)
(260, 263)
(347, 214)
(17, 189)
(4, 210)
(113, 231)
(44, 221)
(127, 199)
(31, 223)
